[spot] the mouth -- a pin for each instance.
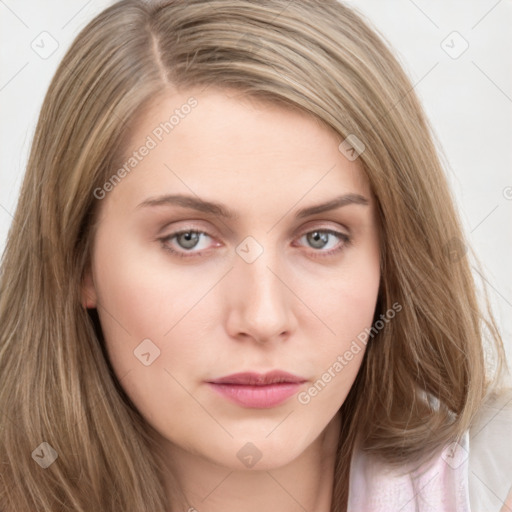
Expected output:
(258, 391)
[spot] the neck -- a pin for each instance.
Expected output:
(305, 483)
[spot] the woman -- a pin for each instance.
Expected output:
(236, 279)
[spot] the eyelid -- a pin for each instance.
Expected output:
(345, 239)
(318, 226)
(320, 223)
(186, 225)
(165, 243)
(187, 229)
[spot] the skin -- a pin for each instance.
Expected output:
(215, 314)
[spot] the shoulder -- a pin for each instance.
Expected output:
(490, 453)
(440, 485)
(474, 474)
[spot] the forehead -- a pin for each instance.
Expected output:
(219, 143)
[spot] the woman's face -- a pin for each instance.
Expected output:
(264, 276)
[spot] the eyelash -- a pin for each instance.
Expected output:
(346, 241)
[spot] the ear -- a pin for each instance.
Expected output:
(88, 291)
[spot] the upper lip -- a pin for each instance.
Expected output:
(259, 379)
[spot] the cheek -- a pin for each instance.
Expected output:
(139, 302)
(340, 350)
(138, 290)
(346, 306)
(141, 297)
(346, 302)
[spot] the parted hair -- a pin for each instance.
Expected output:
(424, 374)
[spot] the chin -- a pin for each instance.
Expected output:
(257, 454)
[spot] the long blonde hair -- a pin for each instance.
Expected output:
(423, 376)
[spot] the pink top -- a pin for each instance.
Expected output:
(474, 475)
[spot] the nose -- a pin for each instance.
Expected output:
(260, 303)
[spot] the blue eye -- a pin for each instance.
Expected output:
(187, 243)
(319, 239)
(186, 240)
(323, 238)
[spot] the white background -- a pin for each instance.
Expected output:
(468, 100)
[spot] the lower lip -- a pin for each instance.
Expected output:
(257, 397)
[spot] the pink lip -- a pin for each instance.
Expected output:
(258, 391)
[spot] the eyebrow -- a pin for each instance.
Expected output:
(195, 203)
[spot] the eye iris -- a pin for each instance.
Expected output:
(317, 239)
(190, 239)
